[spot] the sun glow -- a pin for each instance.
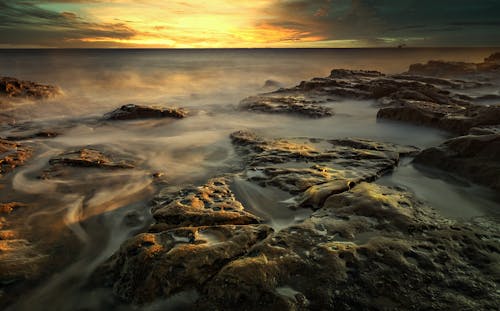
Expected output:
(178, 24)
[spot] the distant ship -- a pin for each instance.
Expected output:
(401, 46)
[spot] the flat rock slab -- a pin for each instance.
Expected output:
(299, 164)
(132, 112)
(12, 87)
(88, 157)
(476, 158)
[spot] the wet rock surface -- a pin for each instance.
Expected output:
(88, 157)
(211, 204)
(12, 87)
(296, 165)
(132, 112)
(12, 154)
(20, 259)
(287, 105)
(365, 246)
(371, 248)
(196, 231)
(476, 158)
(358, 246)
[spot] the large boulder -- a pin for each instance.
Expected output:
(132, 112)
(476, 158)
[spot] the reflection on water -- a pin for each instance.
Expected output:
(103, 208)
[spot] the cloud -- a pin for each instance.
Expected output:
(257, 23)
(25, 23)
(367, 20)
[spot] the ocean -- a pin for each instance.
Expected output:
(209, 84)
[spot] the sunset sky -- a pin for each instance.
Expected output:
(256, 23)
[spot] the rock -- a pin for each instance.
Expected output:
(442, 68)
(153, 265)
(87, 157)
(448, 83)
(132, 112)
(370, 248)
(34, 134)
(287, 105)
(12, 87)
(271, 84)
(452, 69)
(12, 154)
(308, 98)
(196, 232)
(493, 58)
(20, 259)
(474, 157)
(485, 130)
(7, 208)
(208, 205)
(454, 118)
(296, 165)
(363, 247)
(358, 74)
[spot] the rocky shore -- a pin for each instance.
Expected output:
(357, 245)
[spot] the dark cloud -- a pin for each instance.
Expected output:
(25, 23)
(367, 20)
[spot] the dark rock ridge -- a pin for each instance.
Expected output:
(364, 247)
(131, 112)
(88, 157)
(287, 105)
(12, 87)
(458, 119)
(421, 100)
(444, 68)
(474, 157)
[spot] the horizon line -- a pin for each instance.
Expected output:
(251, 48)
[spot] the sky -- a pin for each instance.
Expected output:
(248, 24)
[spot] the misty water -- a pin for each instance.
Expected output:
(102, 208)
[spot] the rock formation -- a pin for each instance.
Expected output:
(476, 158)
(12, 87)
(131, 112)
